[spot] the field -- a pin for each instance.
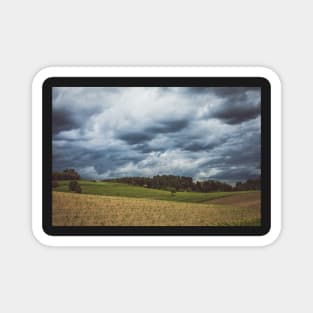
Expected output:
(114, 204)
(124, 190)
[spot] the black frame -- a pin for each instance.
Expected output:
(157, 82)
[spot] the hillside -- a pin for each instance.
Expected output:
(125, 190)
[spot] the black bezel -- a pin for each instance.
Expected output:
(157, 82)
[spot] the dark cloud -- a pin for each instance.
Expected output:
(221, 92)
(236, 116)
(148, 133)
(135, 138)
(237, 174)
(198, 146)
(73, 107)
(102, 160)
(239, 105)
(63, 120)
(227, 92)
(236, 110)
(171, 126)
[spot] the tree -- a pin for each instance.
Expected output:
(250, 184)
(172, 191)
(74, 186)
(67, 174)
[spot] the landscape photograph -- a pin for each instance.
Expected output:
(156, 156)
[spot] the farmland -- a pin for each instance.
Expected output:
(115, 204)
(124, 190)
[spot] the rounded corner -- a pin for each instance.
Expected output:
(271, 236)
(41, 236)
(269, 75)
(42, 76)
(48, 82)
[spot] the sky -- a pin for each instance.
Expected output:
(201, 132)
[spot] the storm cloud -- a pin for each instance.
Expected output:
(206, 133)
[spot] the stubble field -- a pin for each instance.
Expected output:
(239, 209)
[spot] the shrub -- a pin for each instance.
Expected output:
(172, 190)
(55, 184)
(74, 186)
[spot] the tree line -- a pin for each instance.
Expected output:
(67, 174)
(250, 184)
(184, 183)
(168, 182)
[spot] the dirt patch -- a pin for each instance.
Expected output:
(246, 200)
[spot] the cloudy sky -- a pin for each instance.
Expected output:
(205, 133)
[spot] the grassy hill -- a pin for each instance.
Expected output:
(124, 190)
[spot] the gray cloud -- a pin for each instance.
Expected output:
(235, 105)
(237, 174)
(63, 120)
(135, 138)
(200, 132)
(169, 126)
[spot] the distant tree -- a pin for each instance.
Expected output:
(250, 184)
(74, 186)
(71, 174)
(198, 186)
(172, 191)
(67, 174)
(179, 183)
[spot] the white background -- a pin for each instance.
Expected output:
(36, 34)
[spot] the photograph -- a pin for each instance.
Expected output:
(156, 156)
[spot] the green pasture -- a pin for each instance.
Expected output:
(124, 190)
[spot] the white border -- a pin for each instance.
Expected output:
(45, 239)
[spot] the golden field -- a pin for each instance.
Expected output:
(70, 209)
